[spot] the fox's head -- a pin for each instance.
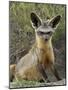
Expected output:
(44, 29)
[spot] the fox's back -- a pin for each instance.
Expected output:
(28, 65)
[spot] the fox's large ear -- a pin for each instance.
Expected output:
(54, 21)
(35, 20)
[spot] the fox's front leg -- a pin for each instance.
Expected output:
(55, 72)
(42, 72)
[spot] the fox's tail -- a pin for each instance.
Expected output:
(12, 71)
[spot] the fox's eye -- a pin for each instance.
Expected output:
(48, 32)
(43, 33)
(40, 33)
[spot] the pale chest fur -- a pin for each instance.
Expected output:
(45, 52)
(46, 57)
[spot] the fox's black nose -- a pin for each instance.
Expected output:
(46, 39)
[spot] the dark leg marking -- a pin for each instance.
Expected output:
(41, 80)
(54, 70)
(42, 72)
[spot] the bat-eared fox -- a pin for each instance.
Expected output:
(41, 56)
